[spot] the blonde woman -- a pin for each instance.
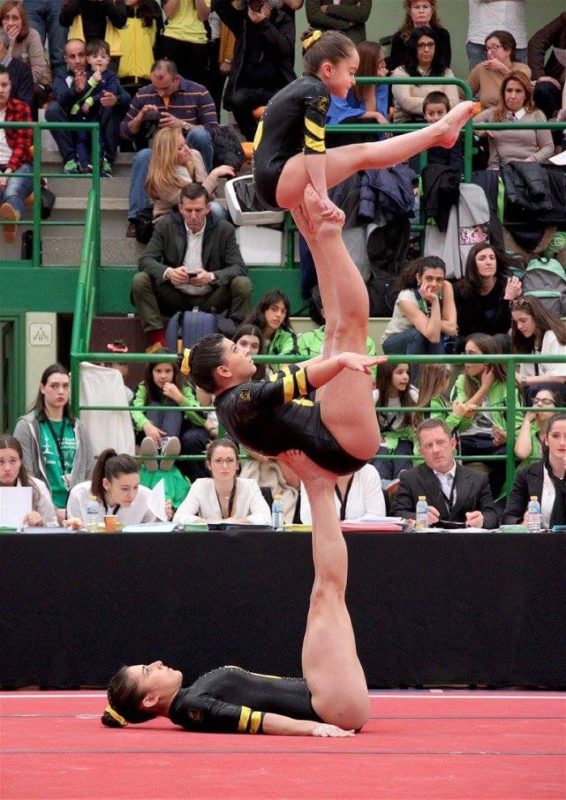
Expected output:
(173, 166)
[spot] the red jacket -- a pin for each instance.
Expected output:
(19, 139)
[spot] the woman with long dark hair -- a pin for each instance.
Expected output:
(418, 14)
(534, 330)
(14, 473)
(272, 316)
(424, 59)
(249, 339)
(56, 447)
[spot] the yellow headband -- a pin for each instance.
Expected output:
(118, 717)
(310, 40)
(185, 369)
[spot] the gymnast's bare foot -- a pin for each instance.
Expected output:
(447, 129)
(305, 468)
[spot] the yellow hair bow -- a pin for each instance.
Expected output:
(118, 717)
(310, 40)
(185, 369)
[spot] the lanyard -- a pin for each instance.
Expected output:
(58, 441)
(344, 500)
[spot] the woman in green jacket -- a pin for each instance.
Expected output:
(272, 317)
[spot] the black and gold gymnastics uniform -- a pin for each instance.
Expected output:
(232, 700)
(292, 122)
(269, 416)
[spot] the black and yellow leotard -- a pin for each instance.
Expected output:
(293, 122)
(231, 700)
(263, 416)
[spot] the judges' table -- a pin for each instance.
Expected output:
(435, 608)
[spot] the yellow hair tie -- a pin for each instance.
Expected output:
(185, 369)
(118, 717)
(310, 40)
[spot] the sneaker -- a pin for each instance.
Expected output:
(71, 167)
(9, 213)
(149, 448)
(86, 169)
(106, 168)
(131, 230)
(170, 447)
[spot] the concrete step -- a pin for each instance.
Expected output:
(66, 251)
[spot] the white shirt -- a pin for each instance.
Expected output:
(497, 15)
(549, 346)
(133, 515)
(365, 498)
(5, 149)
(193, 261)
(202, 503)
(446, 480)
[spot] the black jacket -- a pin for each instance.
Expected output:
(21, 79)
(528, 483)
(472, 493)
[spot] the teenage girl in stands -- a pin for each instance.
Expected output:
(535, 330)
(531, 437)
(56, 446)
(13, 473)
(174, 165)
(393, 388)
(224, 497)
(183, 429)
(289, 149)
(116, 486)
(272, 316)
(433, 388)
(249, 339)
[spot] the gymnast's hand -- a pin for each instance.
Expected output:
(358, 362)
(332, 731)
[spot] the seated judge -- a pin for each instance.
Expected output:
(457, 496)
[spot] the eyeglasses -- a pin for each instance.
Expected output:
(425, 45)
(229, 462)
(543, 401)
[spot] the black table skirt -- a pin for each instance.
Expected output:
(443, 608)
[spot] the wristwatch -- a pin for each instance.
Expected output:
(186, 126)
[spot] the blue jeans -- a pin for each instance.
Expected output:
(43, 15)
(198, 139)
(412, 343)
(17, 189)
(476, 54)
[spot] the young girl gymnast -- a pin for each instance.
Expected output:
(289, 148)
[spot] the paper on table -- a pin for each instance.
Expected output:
(156, 502)
(15, 503)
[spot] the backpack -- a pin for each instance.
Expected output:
(184, 329)
(545, 279)
(227, 148)
(382, 293)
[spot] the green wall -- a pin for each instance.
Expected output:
(386, 17)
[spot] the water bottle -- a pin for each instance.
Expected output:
(534, 524)
(421, 518)
(277, 513)
(92, 514)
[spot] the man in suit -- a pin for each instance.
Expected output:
(456, 495)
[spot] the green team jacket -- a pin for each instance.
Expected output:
(189, 403)
(497, 396)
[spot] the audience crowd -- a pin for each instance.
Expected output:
(151, 75)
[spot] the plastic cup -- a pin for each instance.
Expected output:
(110, 523)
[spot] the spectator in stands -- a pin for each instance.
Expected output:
(485, 78)
(263, 57)
(56, 447)
(544, 479)
(309, 343)
(14, 473)
(424, 313)
(193, 259)
(143, 27)
(423, 60)
(348, 17)
(491, 15)
(531, 437)
(433, 388)
(457, 496)
(116, 486)
(272, 316)
(483, 295)
(182, 429)
(43, 16)
(535, 330)
(516, 105)
(169, 101)
(92, 19)
(435, 106)
(419, 14)
(174, 165)
(364, 103)
(184, 39)
(26, 44)
(15, 156)
(481, 432)
(20, 74)
(67, 91)
(357, 496)
(250, 342)
(224, 497)
(393, 389)
(550, 75)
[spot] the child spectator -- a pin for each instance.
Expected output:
(394, 389)
(435, 106)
